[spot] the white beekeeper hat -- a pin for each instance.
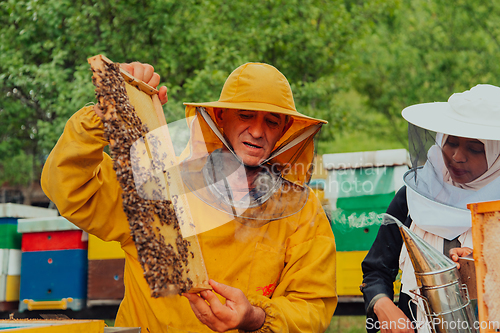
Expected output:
(474, 113)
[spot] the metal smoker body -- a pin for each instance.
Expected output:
(446, 300)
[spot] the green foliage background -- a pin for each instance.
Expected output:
(355, 63)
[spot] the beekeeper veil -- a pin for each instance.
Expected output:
(454, 149)
(217, 180)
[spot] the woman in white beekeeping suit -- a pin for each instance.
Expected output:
(454, 149)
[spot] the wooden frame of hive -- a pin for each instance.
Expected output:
(172, 264)
(481, 213)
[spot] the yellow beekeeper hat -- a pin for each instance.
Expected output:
(257, 87)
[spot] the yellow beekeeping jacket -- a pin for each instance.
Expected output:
(286, 267)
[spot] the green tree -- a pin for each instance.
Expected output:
(424, 51)
(193, 44)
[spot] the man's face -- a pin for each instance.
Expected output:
(252, 134)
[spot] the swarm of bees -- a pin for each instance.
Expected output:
(164, 261)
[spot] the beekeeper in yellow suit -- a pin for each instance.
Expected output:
(271, 259)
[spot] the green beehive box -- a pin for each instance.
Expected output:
(355, 239)
(361, 186)
(9, 237)
(9, 215)
(355, 223)
(366, 203)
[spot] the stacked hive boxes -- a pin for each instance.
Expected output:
(105, 279)
(10, 261)
(53, 326)
(10, 250)
(62, 326)
(358, 188)
(53, 266)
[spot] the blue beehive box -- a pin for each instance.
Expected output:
(51, 277)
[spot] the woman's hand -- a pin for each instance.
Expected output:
(391, 318)
(237, 312)
(458, 252)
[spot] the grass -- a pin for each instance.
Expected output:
(347, 324)
(109, 322)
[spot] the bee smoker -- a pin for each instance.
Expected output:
(446, 300)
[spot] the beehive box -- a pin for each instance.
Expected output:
(105, 274)
(485, 235)
(360, 228)
(9, 215)
(9, 237)
(359, 187)
(350, 275)
(10, 265)
(53, 265)
(52, 326)
(10, 249)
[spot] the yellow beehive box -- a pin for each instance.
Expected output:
(350, 275)
(12, 288)
(52, 326)
(99, 249)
